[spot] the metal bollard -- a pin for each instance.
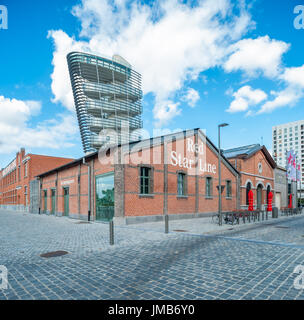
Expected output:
(166, 223)
(266, 215)
(111, 225)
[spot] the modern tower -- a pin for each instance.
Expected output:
(107, 95)
(285, 137)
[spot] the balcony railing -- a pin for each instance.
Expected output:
(115, 123)
(127, 92)
(112, 106)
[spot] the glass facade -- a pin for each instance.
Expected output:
(107, 95)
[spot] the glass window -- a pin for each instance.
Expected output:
(105, 190)
(228, 189)
(208, 186)
(25, 169)
(145, 180)
(181, 184)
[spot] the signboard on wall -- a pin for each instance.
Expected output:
(178, 159)
(9, 168)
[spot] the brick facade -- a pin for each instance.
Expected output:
(15, 178)
(256, 170)
(167, 158)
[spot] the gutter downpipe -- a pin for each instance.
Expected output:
(89, 187)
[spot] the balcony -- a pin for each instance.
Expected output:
(95, 107)
(124, 92)
(96, 125)
(97, 141)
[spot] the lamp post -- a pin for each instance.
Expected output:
(219, 170)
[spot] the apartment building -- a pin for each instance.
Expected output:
(285, 137)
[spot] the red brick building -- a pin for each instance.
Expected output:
(16, 177)
(175, 174)
(256, 168)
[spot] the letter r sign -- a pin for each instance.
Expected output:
(3, 278)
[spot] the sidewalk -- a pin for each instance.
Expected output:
(204, 226)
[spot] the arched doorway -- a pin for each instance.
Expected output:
(248, 188)
(259, 196)
(268, 191)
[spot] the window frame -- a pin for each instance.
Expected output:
(184, 181)
(228, 194)
(148, 178)
(208, 195)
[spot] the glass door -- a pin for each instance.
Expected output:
(53, 201)
(66, 201)
(105, 197)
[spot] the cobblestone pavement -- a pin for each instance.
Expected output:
(256, 263)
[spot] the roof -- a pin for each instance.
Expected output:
(147, 142)
(241, 151)
(246, 152)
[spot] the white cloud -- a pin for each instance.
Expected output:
(287, 97)
(294, 76)
(169, 43)
(293, 92)
(191, 97)
(255, 56)
(15, 131)
(246, 97)
(166, 110)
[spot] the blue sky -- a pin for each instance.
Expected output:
(197, 59)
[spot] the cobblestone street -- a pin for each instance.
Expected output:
(252, 263)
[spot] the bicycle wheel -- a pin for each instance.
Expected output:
(215, 219)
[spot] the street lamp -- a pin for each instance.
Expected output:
(219, 170)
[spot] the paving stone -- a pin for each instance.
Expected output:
(252, 263)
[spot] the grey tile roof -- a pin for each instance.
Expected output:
(245, 150)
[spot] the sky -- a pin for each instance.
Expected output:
(202, 63)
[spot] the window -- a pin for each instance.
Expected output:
(145, 180)
(228, 189)
(181, 184)
(25, 170)
(208, 187)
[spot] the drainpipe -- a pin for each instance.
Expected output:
(89, 187)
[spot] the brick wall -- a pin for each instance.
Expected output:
(15, 186)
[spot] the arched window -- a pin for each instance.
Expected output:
(248, 188)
